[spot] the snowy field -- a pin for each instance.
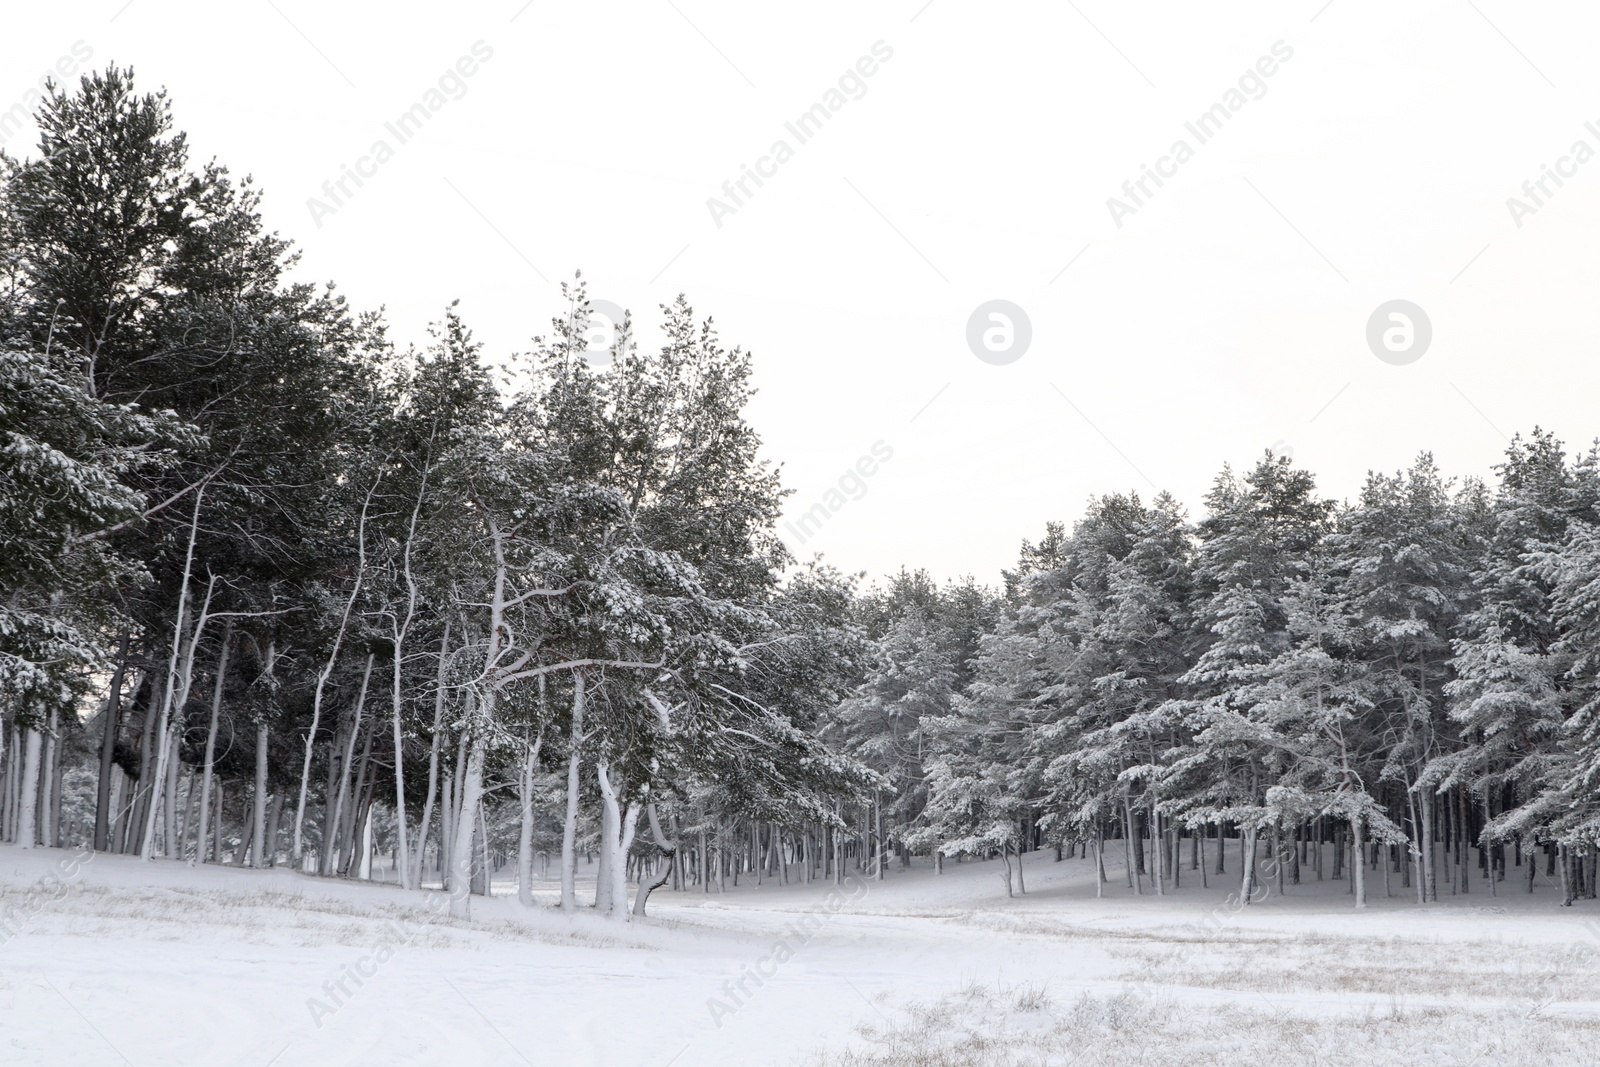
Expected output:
(146, 964)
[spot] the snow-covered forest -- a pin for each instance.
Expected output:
(279, 589)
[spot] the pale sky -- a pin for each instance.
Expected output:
(1226, 315)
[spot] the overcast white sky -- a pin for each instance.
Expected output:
(1226, 316)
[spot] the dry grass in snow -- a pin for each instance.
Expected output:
(1022, 1026)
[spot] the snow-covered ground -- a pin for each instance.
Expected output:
(114, 961)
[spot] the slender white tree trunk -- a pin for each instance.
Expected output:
(297, 850)
(1359, 868)
(169, 807)
(163, 728)
(258, 829)
(402, 842)
(619, 878)
(1247, 859)
(401, 630)
(365, 868)
(569, 827)
(610, 831)
(331, 822)
(204, 824)
(1430, 879)
(461, 852)
(28, 799)
(48, 769)
(433, 755)
(1135, 882)
(530, 759)
(1157, 853)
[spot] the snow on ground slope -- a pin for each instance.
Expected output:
(115, 961)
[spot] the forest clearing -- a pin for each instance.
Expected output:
(915, 967)
(468, 597)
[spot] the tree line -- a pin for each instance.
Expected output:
(275, 589)
(1405, 687)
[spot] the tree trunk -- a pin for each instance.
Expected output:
(569, 827)
(530, 758)
(616, 839)
(1247, 860)
(669, 850)
(191, 796)
(216, 829)
(433, 755)
(877, 814)
(364, 868)
(211, 743)
(1129, 842)
(460, 881)
(28, 795)
(169, 806)
(274, 816)
(402, 863)
(1359, 869)
(334, 811)
(701, 861)
(258, 836)
(50, 784)
(335, 840)
(133, 832)
(164, 720)
(610, 830)
(103, 815)
(1100, 865)
(297, 849)
(360, 800)
(1430, 884)
(1157, 853)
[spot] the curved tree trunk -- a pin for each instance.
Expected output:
(669, 849)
